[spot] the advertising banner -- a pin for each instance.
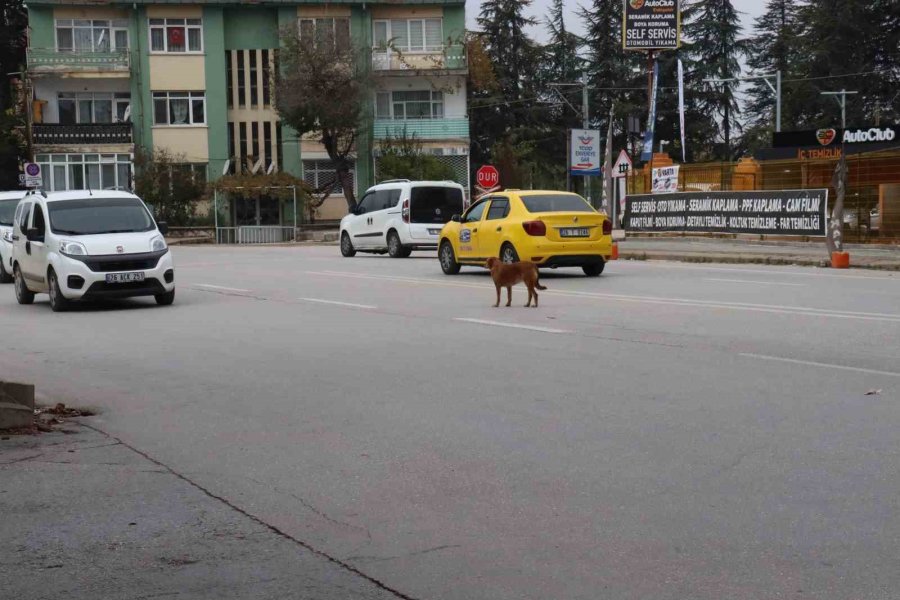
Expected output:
(835, 137)
(789, 212)
(665, 180)
(651, 25)
(585, 152)
(681, 110)
(647, 149)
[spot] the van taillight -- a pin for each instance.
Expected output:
(535, 227)
(607, 227)
(405, 212)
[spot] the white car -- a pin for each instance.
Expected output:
(400, 216)
(8, 203)
(83, 245)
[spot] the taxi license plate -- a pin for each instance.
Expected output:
(124, 277)
(574, 232)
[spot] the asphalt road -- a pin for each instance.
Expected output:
(665, 431)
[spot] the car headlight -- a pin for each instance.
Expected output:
(7, 236)
(72, 248)
(157, 244)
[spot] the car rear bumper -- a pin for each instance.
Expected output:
(573, 260)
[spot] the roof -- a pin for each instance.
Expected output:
(84, 194)
(16, 195)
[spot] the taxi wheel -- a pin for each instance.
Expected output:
(508, 254)
(448, 259)
(593, 270)
(23, 294)
(347, 249)
(58, 302)
(5, 277)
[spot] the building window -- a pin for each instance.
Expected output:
(179, 108)
(176, 35)
(86, 107)
(85, 171)
(413, 104)
(242, 79)
(327, 29)
(228, 80)
(267, 78)
(409, 35)
(196, 171)
(91, 36)
(321, 173)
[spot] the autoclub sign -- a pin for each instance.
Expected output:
(789, 212)
(835, 137)
(651, 25)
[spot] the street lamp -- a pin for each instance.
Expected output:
(841, 98)
(776, 89)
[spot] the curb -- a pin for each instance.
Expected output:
(755, 260)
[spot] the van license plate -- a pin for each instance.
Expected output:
(124, 277)
(574, 232)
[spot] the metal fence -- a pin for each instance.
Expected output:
(872, 201)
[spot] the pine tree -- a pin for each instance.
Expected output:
(13, 24)
(713, 28)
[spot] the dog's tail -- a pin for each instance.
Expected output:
(537, 279)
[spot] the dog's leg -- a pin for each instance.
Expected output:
(508, 295)
(535, 298)
(498, 295)
(530, 292)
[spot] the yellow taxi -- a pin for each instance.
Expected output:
(552, 229)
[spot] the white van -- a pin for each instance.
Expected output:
(400, 216)
(8, 203)
(89, 245)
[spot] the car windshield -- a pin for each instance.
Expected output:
(540, 203)
(435, 204)
(8, 211)
(92, 216)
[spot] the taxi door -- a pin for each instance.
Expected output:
(469, 234)
(493, 227)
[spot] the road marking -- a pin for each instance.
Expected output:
(221, 287)
(810, 363)
(513, 325)
(336, 303)
(688, 302)
(755, 282)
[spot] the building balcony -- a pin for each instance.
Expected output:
(451, 59)
(422, 129)
(49, 61)
(85, 134)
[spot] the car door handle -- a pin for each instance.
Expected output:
(475, 230)
(499, 228)
(27, 247)
(15, 238)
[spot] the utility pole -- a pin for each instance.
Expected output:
(776, 89)
(841, 98)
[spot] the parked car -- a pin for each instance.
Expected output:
(552, 229)
(8, 203)
(81, 245)
(400, 216)
(871, 221)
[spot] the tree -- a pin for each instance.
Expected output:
(323, 87)
(402, 157)
(164, 181)
(713, 28)
(13, 25)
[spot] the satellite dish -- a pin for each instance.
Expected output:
(257, 166)
(271, 169)
(226, 167)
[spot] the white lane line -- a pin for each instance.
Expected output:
(754, 282)
(662, 264)
(512, 325)
(336, 303)
(220, 287)
(810, 363)
(744, 306)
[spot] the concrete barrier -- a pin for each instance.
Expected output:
(16, 404)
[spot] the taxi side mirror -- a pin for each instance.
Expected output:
(455, 218)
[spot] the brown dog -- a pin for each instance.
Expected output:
(509, 274)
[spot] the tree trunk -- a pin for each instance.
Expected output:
(834, 237)
(342, 169)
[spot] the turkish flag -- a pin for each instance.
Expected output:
(176, 36)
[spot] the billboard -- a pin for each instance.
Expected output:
(788, 212)
(584, 153)
(651, 24)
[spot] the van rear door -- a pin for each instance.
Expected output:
(430, 207)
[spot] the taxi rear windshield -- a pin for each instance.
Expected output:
(434, 204)
(541, 203)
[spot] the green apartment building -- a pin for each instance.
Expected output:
(111, 78)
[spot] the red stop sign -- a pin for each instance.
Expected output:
(487, 177)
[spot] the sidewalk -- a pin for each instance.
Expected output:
(694, 249)
(84, 516)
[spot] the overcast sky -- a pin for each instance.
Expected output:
(538, 9)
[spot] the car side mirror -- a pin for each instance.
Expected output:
(359, 210)
(456, 218)
(32, 235)
(163, 227)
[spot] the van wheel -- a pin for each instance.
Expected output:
(448, 259)
(395, 248)
(508, 254)
(58, 302)
(347, 249)
(165, 299)
(594, 269)
(23, 294)
(5, 277)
